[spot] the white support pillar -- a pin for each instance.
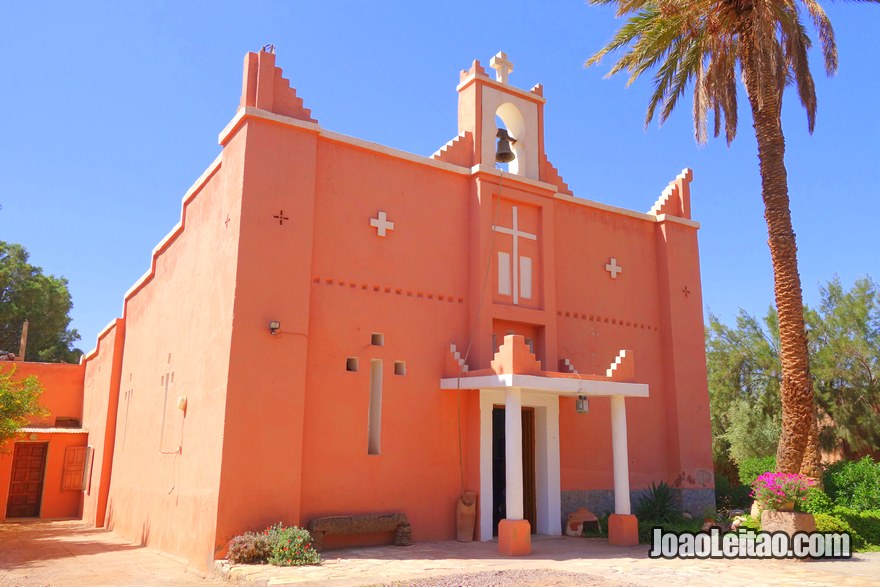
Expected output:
(619, 455)
(513, 452)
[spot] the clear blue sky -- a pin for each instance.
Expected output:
(112, 110)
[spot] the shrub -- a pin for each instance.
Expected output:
(830, 523)
(865, 523)
(749, 469)
(249, 548)
(818, 502)
(750, 522)
(278, 544)
(854, 484)
(292, 546)
(659, 503)
(773, 490)
(729, 496)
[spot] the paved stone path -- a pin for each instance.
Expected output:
(554, 561)
(70, 553)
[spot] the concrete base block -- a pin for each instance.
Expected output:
(514, 537)
(623, 530)
(788, 522)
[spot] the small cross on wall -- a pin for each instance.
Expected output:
(613, 268)
(382, 224)
(281, 217)
(686, 291)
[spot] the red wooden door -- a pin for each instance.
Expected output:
(26, 487)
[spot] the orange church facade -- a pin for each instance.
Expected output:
(337, 327)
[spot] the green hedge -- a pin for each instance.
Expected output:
(866, 523)
(854, 484)
(749, 469)
(817, 502)
(829, 523)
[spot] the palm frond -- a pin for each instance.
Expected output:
(826, 35)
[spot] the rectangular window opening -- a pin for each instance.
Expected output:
(374, 424)
(400, 367)
(504, 273)
(378, 339)
(351, 364)
(67, 423)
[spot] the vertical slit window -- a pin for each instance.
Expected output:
(374, 424)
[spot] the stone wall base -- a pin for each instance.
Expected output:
(601, 501)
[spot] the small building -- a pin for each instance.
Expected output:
(337, 327)
(43, 472)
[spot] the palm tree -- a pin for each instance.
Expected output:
(703, 42)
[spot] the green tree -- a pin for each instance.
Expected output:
(19, 401)
(745, 376)
(744, 381)
(704, 42)
(44, 300)
(845, 354)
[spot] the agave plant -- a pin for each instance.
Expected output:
(658, 503)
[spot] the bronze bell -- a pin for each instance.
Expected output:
(503, 154)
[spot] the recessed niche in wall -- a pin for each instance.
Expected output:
(378, 339)
(351, 364)
(374, 420)
(400, 367)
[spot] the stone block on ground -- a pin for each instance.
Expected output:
(361, 524)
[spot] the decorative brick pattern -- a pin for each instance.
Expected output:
(388, 289)
(607, 320)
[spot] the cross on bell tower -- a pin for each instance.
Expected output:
(502, 65)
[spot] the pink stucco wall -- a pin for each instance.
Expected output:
(275, 427)
(101, 400)
(166, 461)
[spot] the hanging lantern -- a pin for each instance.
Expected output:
(582, 405)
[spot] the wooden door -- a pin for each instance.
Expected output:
(26, 486)
(530, 500)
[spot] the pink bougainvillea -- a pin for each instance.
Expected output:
(774, 490)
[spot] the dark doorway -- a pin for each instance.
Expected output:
(26, 485)
(499, 470)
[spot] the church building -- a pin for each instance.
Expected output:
(336, 327)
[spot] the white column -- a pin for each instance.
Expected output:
(513, 452)
(619, 455)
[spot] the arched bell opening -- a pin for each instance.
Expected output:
(509, 118)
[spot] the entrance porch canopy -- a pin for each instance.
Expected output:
(553, 383)
(515, 370)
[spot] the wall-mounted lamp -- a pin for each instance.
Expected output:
(582, 405)
(274, 326)
(503, 154)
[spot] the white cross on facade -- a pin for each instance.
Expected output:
(522, 266)
(502, 66)
(382, 223)
(613, 268)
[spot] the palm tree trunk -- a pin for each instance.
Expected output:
(798, 411)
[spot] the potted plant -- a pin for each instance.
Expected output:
(779, 495)
(782, 492)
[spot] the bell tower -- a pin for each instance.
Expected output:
(481, 99)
